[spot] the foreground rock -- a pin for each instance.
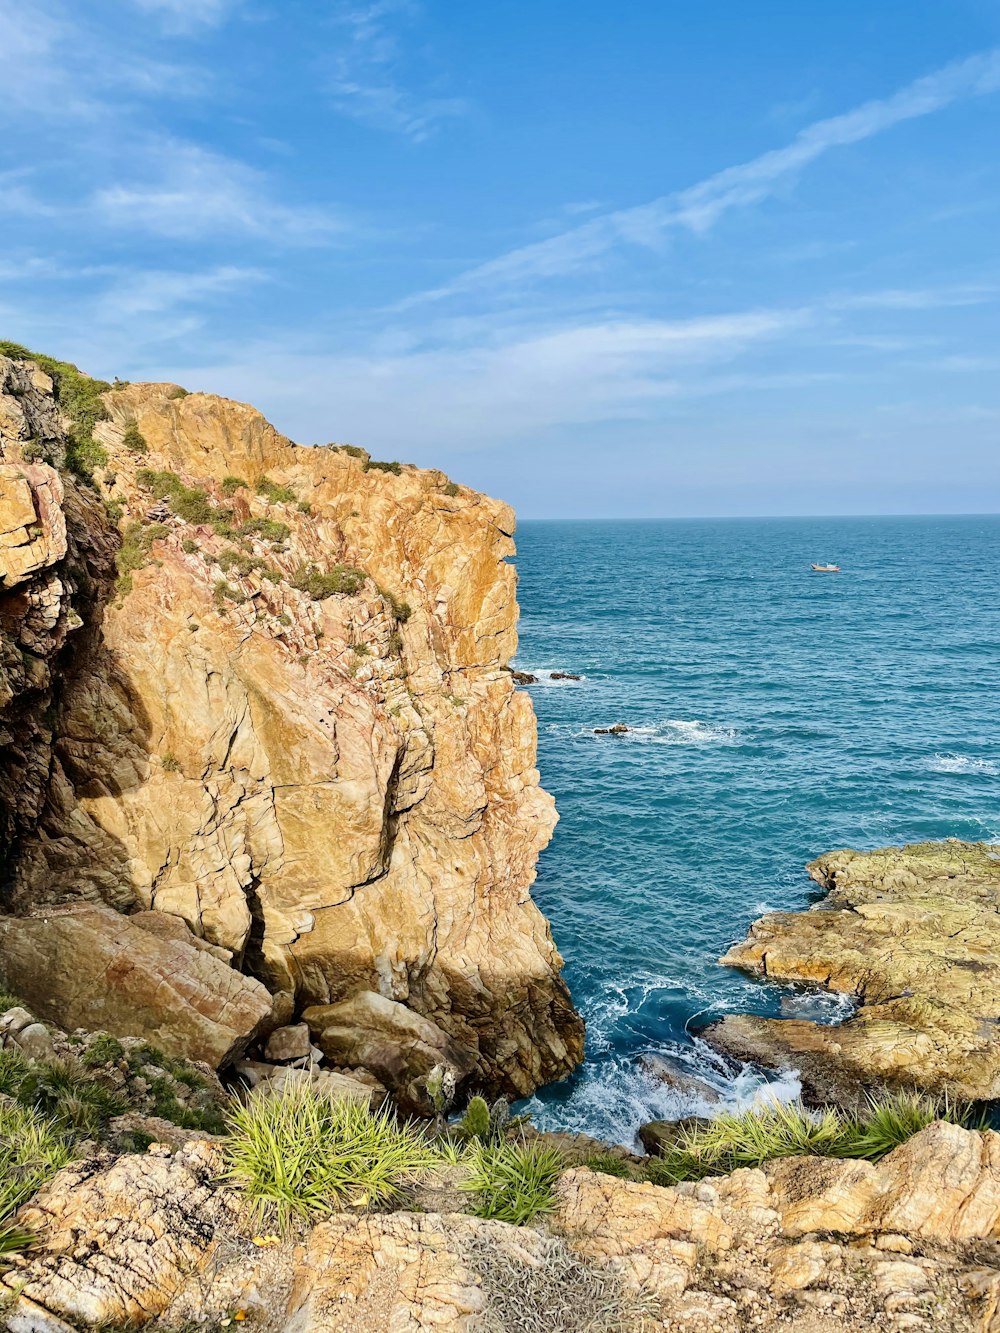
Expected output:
(818, 1246)
(914, 933)
(281, 713)
(90, 967)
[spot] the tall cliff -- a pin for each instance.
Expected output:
(262, 687)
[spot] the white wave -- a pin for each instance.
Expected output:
(613, 1096)
(678, 731)
(821, 1006)
(962, 763)
(544, 675)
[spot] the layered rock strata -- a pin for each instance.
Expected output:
(914, 934)
(819, 1245)
(262, 688)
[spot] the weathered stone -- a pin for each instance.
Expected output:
(397, 1045)
(35, 1042)
(913, 932)
(288, 1043)
(89, 967)
(121, 1236)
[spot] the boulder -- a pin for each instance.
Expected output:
(397, 1045)
(616, 729)
(288, 1043)
(90, 967)
(657, 1135)
(672, 1075)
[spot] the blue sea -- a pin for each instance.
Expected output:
(774, 714)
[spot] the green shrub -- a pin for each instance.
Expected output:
(230, 485)
(513, 1182)
(64, 1091)
(170, 763)
(134, 439)
(299, 1154)
(265, 528)
(451, 489)
(372, 465)
(275, 492)
(134, 552)
(304, 507)
(191, 503)
(7, 1001)
(177, 392)
(351, 449)
(189, 546)
(400, 609)
(319, 584)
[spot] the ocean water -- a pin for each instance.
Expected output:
(776, 713)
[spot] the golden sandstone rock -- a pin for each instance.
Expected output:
(913, 933)
(337, 787)
(157, 1237)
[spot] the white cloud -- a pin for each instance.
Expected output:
(364, 73)
(195, 193)
(186, 15)
(700, 206)
(152, 291)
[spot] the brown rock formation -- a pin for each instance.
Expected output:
(913, 933)
(289, 724)
(816, 1245)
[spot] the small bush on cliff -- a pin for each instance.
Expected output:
(265, 528)
(134, 439)
(513, 1182)
(373, 465)
(299, 1154)
(320, 584)
(231, 484)
(275, 492)
(134, 552)
(190, 503)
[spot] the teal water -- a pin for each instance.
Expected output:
(777, 714)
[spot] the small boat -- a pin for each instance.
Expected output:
(827, 569)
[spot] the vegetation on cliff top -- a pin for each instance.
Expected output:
(79, 396)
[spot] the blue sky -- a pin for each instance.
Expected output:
(645, 259)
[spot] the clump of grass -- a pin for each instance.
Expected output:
(170, 763)
(103, 1049)
(134, 439)
(223, 592)
(512, 1181)
(67, 1093)
(178, 392)
(373, 465)
(300, 1154)
(351, 449)
(8, 1000)
(608, 1165)
(789, 1130)
(451, 489)
(266, 528)
(320, 584)
(231, 484)
(275, 492)
(189, 546)
(304, 507)
(32, 1150)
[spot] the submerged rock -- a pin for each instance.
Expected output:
(674, 1076)
(522, 677)
(618, 729)
(564, 675)
(914, 933)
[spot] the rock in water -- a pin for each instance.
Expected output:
(90, 967)
(914, 933)
(616, 729)
(283, 715)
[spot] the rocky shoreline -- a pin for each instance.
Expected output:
(911, 933)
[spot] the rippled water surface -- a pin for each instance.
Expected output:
(776, 714)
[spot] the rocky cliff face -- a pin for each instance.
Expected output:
(262, 688)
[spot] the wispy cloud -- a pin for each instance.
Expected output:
(365, 78)
(189, 15)
(699, 207)
(195, 193)
(152, 291)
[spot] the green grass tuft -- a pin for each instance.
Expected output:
(32, 1150)
(372, 465)
(320, 584)
(134, 439)
(265, 528)
(299, 1154)
(231, 484)
(513, 1182)
(789, 1130)
(609, 1165)
(275, 492)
